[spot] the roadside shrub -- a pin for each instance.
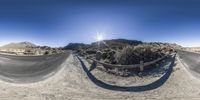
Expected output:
(91, 51)
(55, 51)
(78, 51)
(29, 52)
(46, 52)
(126, 56)
(111, 57)
(134, 54)
(104, 55)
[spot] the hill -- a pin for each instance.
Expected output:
(75, 46)
(114, 43)
(123, 51)
(20, 45)
(28, 48)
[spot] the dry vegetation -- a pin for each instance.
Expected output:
(42, 51)
(125, 52)
(134, 54)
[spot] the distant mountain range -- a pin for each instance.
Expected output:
(20, 45)
(28, 48)
(113, 43)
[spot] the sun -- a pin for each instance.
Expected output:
(99, 37)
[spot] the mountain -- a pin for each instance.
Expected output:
(74, 46)
(27, 49)
(20, 45)
(114, 43)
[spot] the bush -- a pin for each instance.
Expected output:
(55, 52)
(91, 51)
(29, 52)
(46, 52)
(111, 57)
(104, 55)
(126, 56)
(134, 54)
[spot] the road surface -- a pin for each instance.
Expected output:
(28, 69)
(192, 60)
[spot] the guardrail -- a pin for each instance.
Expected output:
(141, 66)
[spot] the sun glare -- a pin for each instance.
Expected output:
(99, 37)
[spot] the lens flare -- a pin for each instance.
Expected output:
(99, 37)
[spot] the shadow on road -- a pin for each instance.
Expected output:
(147, 87)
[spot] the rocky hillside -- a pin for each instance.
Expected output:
(114, 43)
(27, 48)
(20, 45)
(75, 46)
(122, 51)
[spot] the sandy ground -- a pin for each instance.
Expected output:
(72, 83)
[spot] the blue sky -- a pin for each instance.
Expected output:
(59, 22)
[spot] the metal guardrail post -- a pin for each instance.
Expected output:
(141, 66)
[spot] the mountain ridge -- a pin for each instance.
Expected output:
(20, 45)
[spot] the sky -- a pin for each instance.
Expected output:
(59, 22)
